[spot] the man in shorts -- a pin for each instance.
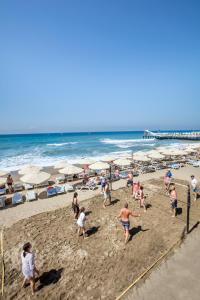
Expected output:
(124, 215)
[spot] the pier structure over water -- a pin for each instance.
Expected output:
(193, 136)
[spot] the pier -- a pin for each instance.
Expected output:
(192, 136)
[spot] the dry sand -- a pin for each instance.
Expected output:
(99, 267)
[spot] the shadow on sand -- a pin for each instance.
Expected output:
(133, 231)
(50, 277)
(92, 230)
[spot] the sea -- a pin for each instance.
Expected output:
(45, 149)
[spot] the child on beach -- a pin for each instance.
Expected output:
(81, 223)
(28, 266)
(173, 199)
(142, 198)
(75, 205)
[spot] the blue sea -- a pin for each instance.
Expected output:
(46, 149)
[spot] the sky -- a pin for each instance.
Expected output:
(97, 65)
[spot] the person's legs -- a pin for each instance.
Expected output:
(195, 195)
(126, 235)
(32, 283)
(142, 204)
(24, 282)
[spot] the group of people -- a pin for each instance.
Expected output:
(28, 262)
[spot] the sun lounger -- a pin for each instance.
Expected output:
(60, 179)
(51, 192)
(70, 178)
(28, 186)
(3, 201)
(3, 191)
(69, 188)
(31, 196)
(60, 189)
(18, 187)
(175, 166)
(90, 187)
(196, 164)
(17, 198)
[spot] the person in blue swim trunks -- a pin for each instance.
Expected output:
(124, 216)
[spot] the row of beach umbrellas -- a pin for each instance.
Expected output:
(34, 175)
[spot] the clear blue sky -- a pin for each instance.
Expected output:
(99, 65)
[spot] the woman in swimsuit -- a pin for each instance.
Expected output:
(124, 215)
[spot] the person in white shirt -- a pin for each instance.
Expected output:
(194, 187)
(28, 266)
(81, 223)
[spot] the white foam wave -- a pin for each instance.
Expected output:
(61, 144)
(127, 143)
(124, 141)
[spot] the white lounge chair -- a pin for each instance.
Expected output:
(28, 186)
(60, 179)
(88, 186)
(3, 201)
(17, 198)
(60, 189)
(31, 196)
(69, 188)
(18, 187)
(3, 191)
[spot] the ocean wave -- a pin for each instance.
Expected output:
(61, 144)
(127, 143)
(124, 141)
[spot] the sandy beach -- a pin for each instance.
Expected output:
(78, 269)
(10, 215)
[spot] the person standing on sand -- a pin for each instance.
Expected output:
(194, 187)
(107, 195)
(124, 215)
(167, 181)
(173, 199)
(135, 189)
(142, 198)
(103, 180)
(75, 205)
(28, 266)
(81, 223)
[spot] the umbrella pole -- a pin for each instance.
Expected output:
(110, 177)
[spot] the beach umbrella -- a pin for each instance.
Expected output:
(71, 170)
(35, 178)
(99, 165)
(3, 173)
(122, 162)
(61, 164)
(85, 161)
(2, 180)
(141, 158)
(109, 158)
(156, 155)
(29, 169)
